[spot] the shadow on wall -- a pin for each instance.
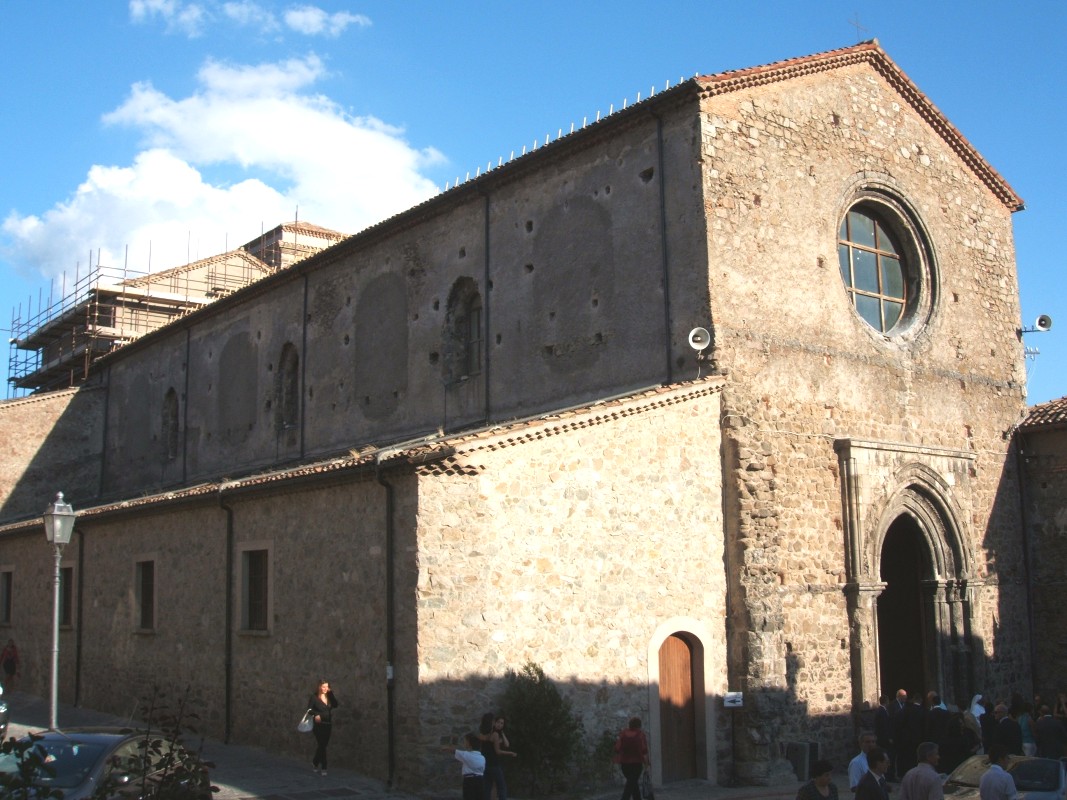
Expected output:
(66, 460)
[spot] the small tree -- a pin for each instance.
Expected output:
(542, 729)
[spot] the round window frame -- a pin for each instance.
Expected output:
(918, 263)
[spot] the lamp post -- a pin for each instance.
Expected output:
(58, 526)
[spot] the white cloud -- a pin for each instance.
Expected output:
(187, 18)
(313, 21)
(280, 146)
(250, 14)
(192, 18)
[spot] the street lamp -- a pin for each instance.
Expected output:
(58, 526)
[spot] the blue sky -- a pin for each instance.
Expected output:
(179, 127)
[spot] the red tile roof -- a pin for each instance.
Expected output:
(1052, 413)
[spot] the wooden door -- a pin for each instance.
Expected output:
(677, 710)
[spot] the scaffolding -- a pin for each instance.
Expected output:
(54, 346)
(107, 308)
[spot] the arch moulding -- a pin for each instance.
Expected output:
(881, 482)
(714, 646)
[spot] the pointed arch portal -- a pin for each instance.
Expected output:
(911, 592)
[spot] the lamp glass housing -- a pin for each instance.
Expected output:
(58, 521)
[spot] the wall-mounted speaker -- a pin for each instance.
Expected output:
(699, 338)
(1043, 323)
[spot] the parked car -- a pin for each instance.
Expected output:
(130, 763)
(1035, 778)
(5, 715)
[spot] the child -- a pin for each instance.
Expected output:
(473, 768)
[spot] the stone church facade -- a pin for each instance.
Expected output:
(476, 435)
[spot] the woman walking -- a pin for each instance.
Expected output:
(321, 704)
(631, 753)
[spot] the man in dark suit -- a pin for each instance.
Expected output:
(1050, 735)
(937, 717)
(896, 720)
(1009, 735)
(909, 734)
(883, 735)
(872, 785)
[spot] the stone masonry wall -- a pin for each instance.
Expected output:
(782, 164)
(49, 443)
(327, 560)
(579, 552)
(1045, 460)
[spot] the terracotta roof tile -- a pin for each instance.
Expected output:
(1052, 413)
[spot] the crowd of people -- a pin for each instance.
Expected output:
(1018, 725)
(918, 740)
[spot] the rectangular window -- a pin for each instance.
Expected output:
(66, 596)
(7, 582)
(146, 595)
(255, 590)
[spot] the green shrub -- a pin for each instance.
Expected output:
(543, 730)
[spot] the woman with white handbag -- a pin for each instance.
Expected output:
(321, 705)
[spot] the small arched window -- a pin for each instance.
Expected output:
(464, 332)
(287, 389)
(169, 424)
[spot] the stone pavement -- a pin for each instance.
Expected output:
(251, 773)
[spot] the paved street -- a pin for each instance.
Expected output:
(250, 773)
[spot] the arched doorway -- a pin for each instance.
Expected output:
(903, 638)
(681, 706)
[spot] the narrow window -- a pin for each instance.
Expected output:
(169, 433)
(255, 594)
(66, 596)
(287, 388)
(464, 335)
(146, 595)
(7, 582)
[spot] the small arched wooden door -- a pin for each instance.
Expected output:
(680, 694)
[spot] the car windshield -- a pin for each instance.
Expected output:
(970, 772)
(1036, 775)
(1029, 774)
(66, 764)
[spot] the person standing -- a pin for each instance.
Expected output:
(858, 767)
(821, 786)
(997, 784)
(472, 764)
(872, 786)
(321, 704)
(909, 734)
(922, 782)
(631, 753)
(9, 661)
(1009, 735)
(494, 744)
(896, 722)
(1050, 735)
(883, 736)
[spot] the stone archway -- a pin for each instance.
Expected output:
(902, 512)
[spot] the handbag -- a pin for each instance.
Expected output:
(646, 786)
(306, 722)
